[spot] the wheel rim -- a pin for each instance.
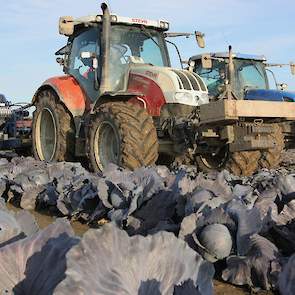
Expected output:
(106, 145)
(46, 135)
(215, 161)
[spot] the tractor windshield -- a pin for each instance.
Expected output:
(214, 78)
(249, 74)
(146, 45)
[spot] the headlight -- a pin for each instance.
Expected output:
(204, 98)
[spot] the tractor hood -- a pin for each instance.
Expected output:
(271, 95)
(176, 86)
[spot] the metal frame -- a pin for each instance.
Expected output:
(234, 110)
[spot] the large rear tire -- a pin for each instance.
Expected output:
(53, 129)
(271, 158)
(243, 163)
(123, 134)
(239, 163)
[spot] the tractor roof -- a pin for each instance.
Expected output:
(86, 20)
(235, 55)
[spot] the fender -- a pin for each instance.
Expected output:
(117, 96)
(69, 92)
(151, 94)
(141, 91)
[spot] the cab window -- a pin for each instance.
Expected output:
(82, 68)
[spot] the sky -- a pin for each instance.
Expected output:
(29, 33)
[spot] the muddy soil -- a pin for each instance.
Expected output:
(221, 288)
(43, 220)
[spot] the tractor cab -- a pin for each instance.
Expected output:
(102, 49)
(246, 74)
(113, 56)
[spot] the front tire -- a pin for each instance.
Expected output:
(271, 158)
(123, 134)
(53, 129)
(244, 163)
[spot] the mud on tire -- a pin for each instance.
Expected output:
(48, 104)
(123, 134)
(243, 163)
(239, 163)
(271, 158)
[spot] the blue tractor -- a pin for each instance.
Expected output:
(246, 125)
(15, 127)
(245, 74)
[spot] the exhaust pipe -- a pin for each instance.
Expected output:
(231, 74)
(106, 46)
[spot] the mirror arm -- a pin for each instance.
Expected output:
(274, 77)
(178, 52)
(173, 35)
(276, 65)
(220, 59)
(291, 65)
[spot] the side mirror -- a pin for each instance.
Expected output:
(282, 86)
(66, 25)
(292, 66)
(200, 39)
(207, 61)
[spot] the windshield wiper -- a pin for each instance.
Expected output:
(148, 34)
(256, 67)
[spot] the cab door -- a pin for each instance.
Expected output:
(85, 40)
